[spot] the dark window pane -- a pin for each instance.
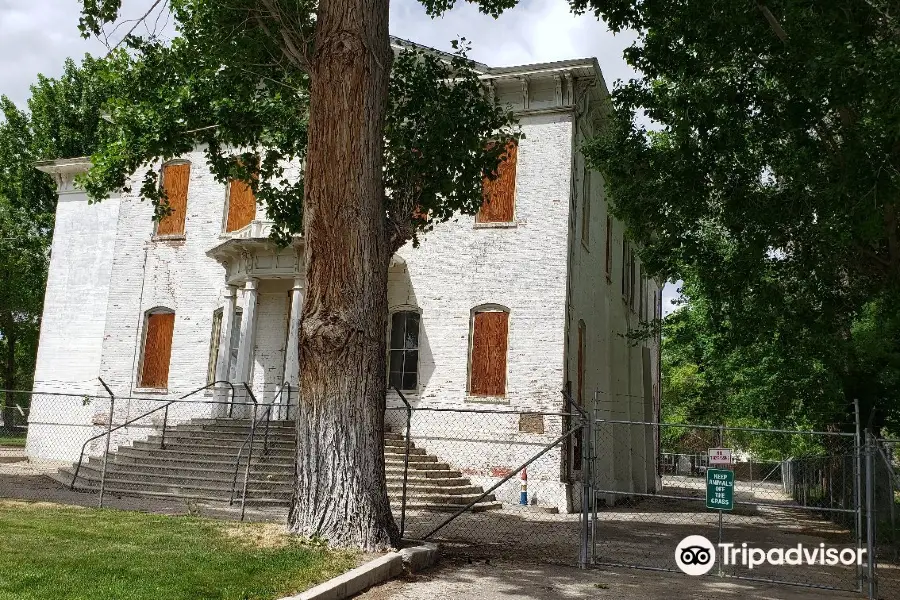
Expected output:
(409, 381)
(396, 361)
(398, 322)
(412, 330)
(396, 380)
(412, 362)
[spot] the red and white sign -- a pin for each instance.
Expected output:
(720, 456)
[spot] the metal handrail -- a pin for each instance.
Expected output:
(110, 428)
(405, 461)
(249, 440)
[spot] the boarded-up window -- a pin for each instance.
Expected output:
(157, 350)
(608, 249)
(404, 362)
(500, 194)
(489, 344)
(241, 205)
(175, 179)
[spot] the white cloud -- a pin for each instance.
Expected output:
(670, 293)
(39, 34)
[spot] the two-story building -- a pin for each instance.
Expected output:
(502, 309)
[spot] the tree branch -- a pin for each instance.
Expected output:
(773, 22)
(294, 50)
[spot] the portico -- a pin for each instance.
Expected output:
(267, 281)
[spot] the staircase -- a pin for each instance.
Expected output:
(199, 459)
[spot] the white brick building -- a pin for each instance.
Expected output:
(554, 272)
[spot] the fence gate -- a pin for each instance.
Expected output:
(806, 499)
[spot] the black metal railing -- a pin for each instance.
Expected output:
(110, 428)
(405, 461)
(251, 437)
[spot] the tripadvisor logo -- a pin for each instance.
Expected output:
(696, 555)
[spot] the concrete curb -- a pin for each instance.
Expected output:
(375, 571)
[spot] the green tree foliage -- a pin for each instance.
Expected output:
(770, 184)
(250, 113)
(62, 120)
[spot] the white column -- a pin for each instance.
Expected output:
(292, 352)
(228, 312)
(292, 357)
(244, 365)
(224, 355)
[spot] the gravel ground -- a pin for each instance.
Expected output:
(459, 579)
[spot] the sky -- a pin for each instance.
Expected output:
(37, 35)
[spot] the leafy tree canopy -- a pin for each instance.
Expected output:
(769, 183)
(62, 120)
(224, 83)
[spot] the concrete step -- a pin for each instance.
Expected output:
(442, 499)
(153, 450)
(208, 489)
(231, 436)
(245, 423)
(261, 471)
(193, 460)
(231, 428)
(400, 451)
(454, 490)
(153, 441)
(200, 457)
(398, 459)
(94, 486)
(423, 470)
(430, 507)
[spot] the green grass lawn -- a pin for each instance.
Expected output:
(53, 552)
(16, 440)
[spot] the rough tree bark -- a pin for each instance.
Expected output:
(340, 492)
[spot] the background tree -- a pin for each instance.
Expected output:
(62, 120)
(388, 146)
(770, 184)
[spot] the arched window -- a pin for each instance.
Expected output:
(404, 350)
(174, 178)
(488, 344)
(159, 325)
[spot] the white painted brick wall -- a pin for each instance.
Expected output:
(460, 266)
(69, 349)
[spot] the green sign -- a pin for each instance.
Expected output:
(720, 489)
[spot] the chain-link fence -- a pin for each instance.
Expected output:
(219, 443)
(484, 480)
(805, 501)
(496, 480)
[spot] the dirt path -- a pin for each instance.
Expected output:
(506, 580)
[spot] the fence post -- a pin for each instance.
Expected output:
(112, 407)
(870, 512)
(405, 462)
(857, 488)
(586, 488)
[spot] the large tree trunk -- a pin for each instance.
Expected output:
(340, 492)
